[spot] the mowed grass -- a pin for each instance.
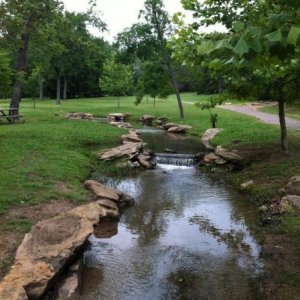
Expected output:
(292, 111)
(49, 157)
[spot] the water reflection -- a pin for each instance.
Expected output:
(186, 238)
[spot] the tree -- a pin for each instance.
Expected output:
(263, 37)
(5, 74)
(21, 21)
(153, 81)
(158, 20)
(116, 79)
(209, 105)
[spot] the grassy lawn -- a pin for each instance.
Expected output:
(48, 151)
(48, 158)
(292, 111)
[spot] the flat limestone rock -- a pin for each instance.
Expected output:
(228, 155)
(247, 185)
(109, 204)
(293, 187)
(145, 161)
(210, 158)
(101, 190)
(291, 203)
(176, 129)
(124, 150)
(47, 249)
(131, 137)
(208, 136)
(121, 124)
(79, 116)
(169, 125)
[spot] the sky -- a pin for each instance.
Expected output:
(119, 14)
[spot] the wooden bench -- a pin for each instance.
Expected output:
(8, 115)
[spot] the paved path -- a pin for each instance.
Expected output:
(265, 117)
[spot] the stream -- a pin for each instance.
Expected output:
(187, 237)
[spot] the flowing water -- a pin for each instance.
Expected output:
(187, 237)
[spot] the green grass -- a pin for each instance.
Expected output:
(47, 151)
(20, 223)
(292, 111)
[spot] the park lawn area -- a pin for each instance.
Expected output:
(47, 159)
(48, 151)
(292, 111)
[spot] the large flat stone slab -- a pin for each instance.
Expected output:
(208, 136)
(47, 249)
(127, 149)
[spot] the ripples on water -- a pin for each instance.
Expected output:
(187, 237)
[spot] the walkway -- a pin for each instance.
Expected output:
(265, 117)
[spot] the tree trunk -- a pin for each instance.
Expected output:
(175, 85)
(21, 66)
(65, 87)
(41, 88)
(281, 111)
(58, 90)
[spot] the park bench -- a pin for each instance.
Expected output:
(9, 116)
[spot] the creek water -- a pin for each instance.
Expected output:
(187, 237)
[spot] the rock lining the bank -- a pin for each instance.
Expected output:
(131, 152)
(52, 244)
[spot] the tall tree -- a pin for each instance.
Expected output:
(157, 18)
(263, 36)
(22, 20)
(153, 81)
(116, 79)
(5, 74)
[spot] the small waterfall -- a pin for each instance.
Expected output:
(187, 160)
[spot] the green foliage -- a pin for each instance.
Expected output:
(209, 105)
(154, 81)
(5, 74)
(20, 223)
(116, 79)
